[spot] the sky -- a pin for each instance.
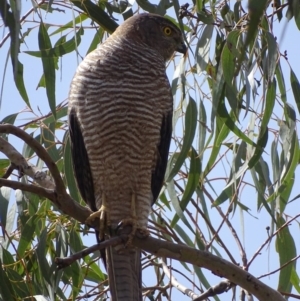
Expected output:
(250, 227)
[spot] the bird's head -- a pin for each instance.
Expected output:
(155, 31)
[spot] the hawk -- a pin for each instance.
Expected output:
(120, 122)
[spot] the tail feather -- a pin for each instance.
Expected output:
(124, 274)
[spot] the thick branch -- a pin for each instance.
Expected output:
(59, 196)
(39, 150)
(35, 173)
(47, 193)
(211, 262)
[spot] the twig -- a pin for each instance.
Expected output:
(269, 238)
(290, 295)
(175, 283)
(218, 289)
(64, 262)
(280, 268)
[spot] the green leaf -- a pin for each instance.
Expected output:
(230, 190)
(222, 132)
(192, 183)
(190, 129)
(296, 88)
(42, 260)
(205, 17)
(75, 241)
(176, 205)
(60, 113)
(202, 128)
(203, 48)
(272, 55)
(77, 278)
(92, 272)
(229, 121)
(68, 169)
(256, 10)
(98, 37)
(285, 246)
(48, 138)
(292, 163)
(199, 5)
(10, 223)
(6, 288)
(20, 288)
(9, 119)
(27, 235)
(96, 13)
(237, 10)
(280, 81)
(295, 280)
(11, 20)
(4, 201)
(79, 19)
(164, 200)
(184, 235)
(261, 144)
(147, 6)
(228, 65)
(217, 94)
(48, 66)
(62, 47)
(263, 134)
(7, 258)
(20, 83)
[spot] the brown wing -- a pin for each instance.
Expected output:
(80, 161)
(162, 158)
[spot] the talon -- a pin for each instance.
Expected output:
(104, 217)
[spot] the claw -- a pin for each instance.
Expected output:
(104, 216)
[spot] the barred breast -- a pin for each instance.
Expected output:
(119, 94)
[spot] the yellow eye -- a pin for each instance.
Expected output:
(167, 30)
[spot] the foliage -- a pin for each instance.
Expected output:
(234, 156)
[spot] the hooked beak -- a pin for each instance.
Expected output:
(181, 48)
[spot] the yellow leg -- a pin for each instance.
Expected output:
(104, 216)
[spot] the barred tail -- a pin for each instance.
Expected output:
(124, 274)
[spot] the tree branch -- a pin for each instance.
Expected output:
(175, 283)
(39, 150)
(19, 161)
(47, 193)
(58, 196)
(154, 246)
(64, 262)
(217, 265)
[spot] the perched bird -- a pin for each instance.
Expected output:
(120, 121)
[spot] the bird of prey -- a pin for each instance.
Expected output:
(120, 122)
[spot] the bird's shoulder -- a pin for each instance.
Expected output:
(115, 57)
